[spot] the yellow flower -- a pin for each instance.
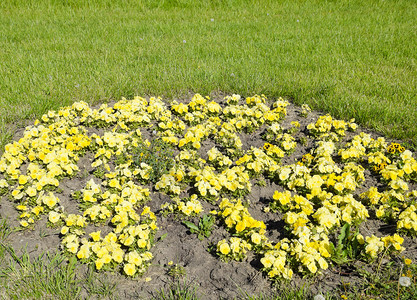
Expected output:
(142, 243)
(235, 244)
(72, 247)
(147, 256)
(118, 255)
(323, 264)
(224, 248)
(54, 217)
(96, 235)
(102, 251)
(24, 223)
(64, 230)
(290, 217)
(130, 269)
(380, 212)
(3, 183)
(240, 226)
(106, 258)
(50, 200)
(99, 263)
(360, 239)
(283, 198)
(256, 238)
(31, 192)
(23, 179)
(267, 260)
(128, 240)
(134, 258)
(312, 267)
(88, 196)
(22, 207)
(153, 226)
(24, 215)
(84, 252)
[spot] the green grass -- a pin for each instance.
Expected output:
(177, 290)
(49, 276)
(5, 231)
(285, 293)
(46, 277)
(102, 286)
(350, 58)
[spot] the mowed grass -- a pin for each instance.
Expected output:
(353, 59)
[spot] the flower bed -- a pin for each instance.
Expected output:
(193, 153)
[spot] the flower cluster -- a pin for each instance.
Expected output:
(286, 142)
(258, 161)
(218, 159)
(234, 181)
(187, 207)
(229, 140)
(275, 263)
(250, 117)
(272, 131)
(309, 253)
(305, 110)
(409, 164)
(408, 219)
(375, 245)
(325, 202)
(238, 219)
(317, 197)
(235, 249)
(327, 128)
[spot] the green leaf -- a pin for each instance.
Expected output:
(191, 226)
(344, 232)
(163, 236)
(332, 247)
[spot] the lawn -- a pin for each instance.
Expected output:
(352, 59)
